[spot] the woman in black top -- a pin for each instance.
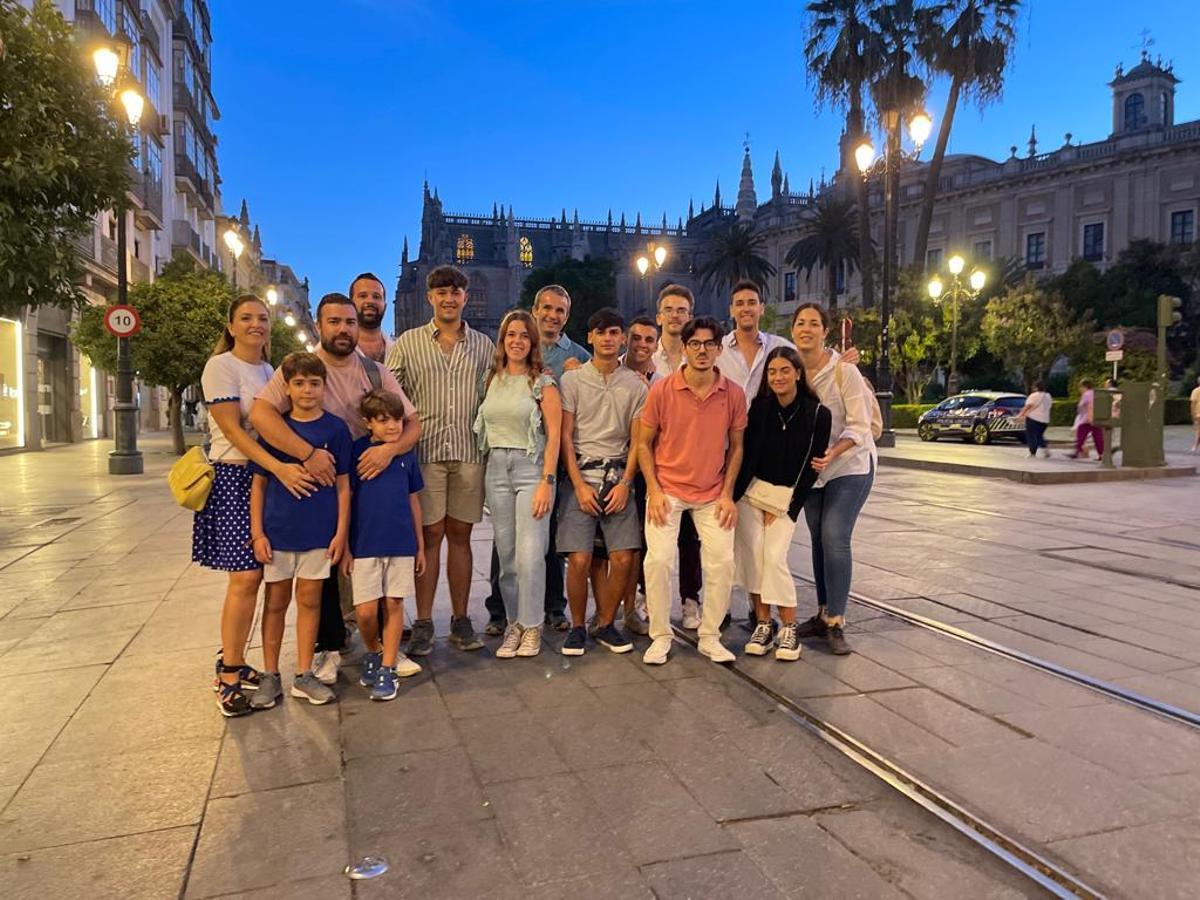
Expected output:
(788, 428)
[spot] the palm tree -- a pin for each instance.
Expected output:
(969, 40)
(734, 254)
(830, 240)
(844, 54)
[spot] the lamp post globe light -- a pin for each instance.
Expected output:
(958, 289)
(125, 457)
(655, 256)
(233, 241)
(920, 126)
(272, 296)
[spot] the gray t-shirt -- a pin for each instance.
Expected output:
(604, 409)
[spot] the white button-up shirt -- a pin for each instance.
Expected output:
(748, 376)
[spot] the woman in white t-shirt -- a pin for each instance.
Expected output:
(233, 375)
(1036, 414)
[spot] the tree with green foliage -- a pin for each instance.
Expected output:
(283, 341)
(64, 159)
(829, 239)
(735, 253)
(592, 284)
(183, 312)
(1030, 326)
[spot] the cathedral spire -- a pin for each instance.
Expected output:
(404, 252)
(244, 215)
(691, 210)
(747, 200)
(493, 210)
(610, 218)
(1032, 145)
(717, 196)
(664, 224)
(637, 226)
(776, 177)
(787, 188)
(622, 222)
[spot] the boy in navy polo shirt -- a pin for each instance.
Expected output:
(387, 550)
(299, 538)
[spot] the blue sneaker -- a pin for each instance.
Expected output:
(576, 642)
(384, 687)
(370, 668)
(611, 638)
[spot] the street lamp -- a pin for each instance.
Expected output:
(655, 255)
(920, 125)
(272, 296)
(957, 290)
(233, 241)
(125, 458)
(289, 320)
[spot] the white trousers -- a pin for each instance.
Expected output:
(761, 556)
(716, 560)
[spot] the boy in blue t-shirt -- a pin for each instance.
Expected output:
(299, 537)
(387, 549)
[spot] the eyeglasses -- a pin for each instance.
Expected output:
(702, 345)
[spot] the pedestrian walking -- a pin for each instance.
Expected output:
(1036, 413)
(690, 449)
(518, 428)
(386, 548)
(442, 364)
(788, 428)
(845, 473)
(1084, 422)
(299, 539)
(234, 374)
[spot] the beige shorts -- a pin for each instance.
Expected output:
(383, 576)
(452, 489)
(288, 564)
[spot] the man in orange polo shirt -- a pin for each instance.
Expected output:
(690, 450)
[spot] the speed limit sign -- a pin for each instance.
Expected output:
(122, 321)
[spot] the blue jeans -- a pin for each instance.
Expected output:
(831, 512)
(520, 539)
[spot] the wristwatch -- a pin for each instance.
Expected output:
(549, 479)
(626, 482)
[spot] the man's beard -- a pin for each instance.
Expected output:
(330, 347)
(370, 318)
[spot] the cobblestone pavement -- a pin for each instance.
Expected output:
(595, 776)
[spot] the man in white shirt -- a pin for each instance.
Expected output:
(1036, 414)
(746, 347)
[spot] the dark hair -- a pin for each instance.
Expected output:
(677, 290)
(1039, 385)
(694, 325)
(366, 276)
(302, 362)
(604, 319)
(447, 276)
(746, 285)
(378, 404)
(643, 320)
(802, 385)
(334, 299)
(225, 341)
(810, 305)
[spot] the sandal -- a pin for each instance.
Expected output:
(248, 676)
(230, 699)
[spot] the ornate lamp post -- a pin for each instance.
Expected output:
(235, 244)
(956, 291)
(919, 127)
(125, 458)
(655, 255)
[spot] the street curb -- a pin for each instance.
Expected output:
(1083, 476)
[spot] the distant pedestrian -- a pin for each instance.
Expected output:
(788, 428)
(234, 374)
(1084, 422)
(387, 547)
(1036, 413)
(518, 427)
(846, 473)
(1195, 403)
(299, 539)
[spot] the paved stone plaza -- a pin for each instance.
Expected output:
(599, 776)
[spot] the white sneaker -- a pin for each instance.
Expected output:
(691, 614)
(512, 640)
(658, 651)
(715, 650)
(325, 666)
(531, 641)
(639, 607)
(405, 667)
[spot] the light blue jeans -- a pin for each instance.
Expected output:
(831, 512)
(521, 540)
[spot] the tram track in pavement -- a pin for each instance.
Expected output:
(991, 838)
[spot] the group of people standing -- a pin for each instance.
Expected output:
(671, 444)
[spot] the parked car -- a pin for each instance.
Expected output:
(979, 416)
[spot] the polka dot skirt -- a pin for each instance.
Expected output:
(221, 531)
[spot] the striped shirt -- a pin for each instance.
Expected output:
(444, 387)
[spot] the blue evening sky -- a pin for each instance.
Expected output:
(333, 113)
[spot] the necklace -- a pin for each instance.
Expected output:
(784, 422)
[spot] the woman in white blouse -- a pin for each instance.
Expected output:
(845, 472)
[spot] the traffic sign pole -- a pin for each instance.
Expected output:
(125, 458)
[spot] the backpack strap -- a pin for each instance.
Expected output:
(372, 370)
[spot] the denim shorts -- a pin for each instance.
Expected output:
(577, 529)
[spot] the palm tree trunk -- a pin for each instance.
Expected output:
(855, 129)
(175, 419)
(935, 173)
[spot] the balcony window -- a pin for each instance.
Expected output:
(129, 25)
(1183, 227)
(1035, 250)
(1093, 242)
(153, 83)
(106, 12)
(789, 286)
(933, 259)
(983, 249)
(154, 161)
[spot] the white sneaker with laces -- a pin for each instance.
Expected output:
(325, 666)
(658, 651)
(512, 640)
(531, 641)
(691, 614)
(715, 650)
(405, 667)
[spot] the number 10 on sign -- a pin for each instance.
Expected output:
(122, 321)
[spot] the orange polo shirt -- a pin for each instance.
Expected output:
(693, 434)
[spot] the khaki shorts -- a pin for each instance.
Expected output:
(383, 576)
(285, 565)
(452, 489)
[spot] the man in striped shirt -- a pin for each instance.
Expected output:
(440, 365)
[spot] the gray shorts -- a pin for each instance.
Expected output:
(577, 530)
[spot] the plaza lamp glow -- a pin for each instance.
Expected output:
(134, 103)
(935, 288)
(920, 126)
(660, 255)
(978, 279)
(955, 291)
(233, 241)
(302, 337)
(108, 63)
(289, 320)
(864, 156)
(272, 296)
(643, 265)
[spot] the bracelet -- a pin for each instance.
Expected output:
(626, 482)
(311, 453)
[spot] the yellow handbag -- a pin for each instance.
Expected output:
(191, 479)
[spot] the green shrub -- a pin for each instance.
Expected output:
(1062, 412)
(904, 415)
(1178, 411)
